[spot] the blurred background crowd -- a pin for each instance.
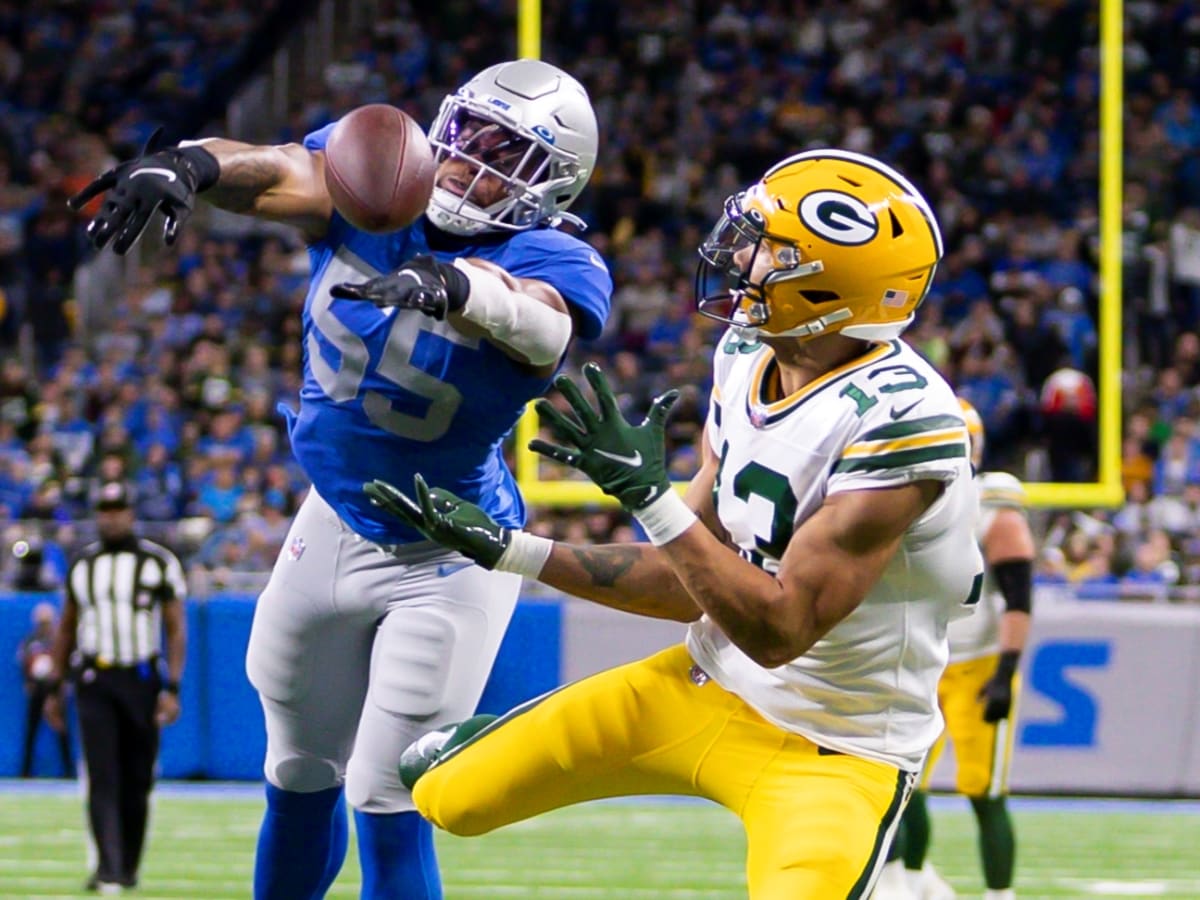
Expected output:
(166, 370)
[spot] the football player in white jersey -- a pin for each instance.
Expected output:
(978, 692)
(819, 554)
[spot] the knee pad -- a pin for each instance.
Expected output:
(303, 774)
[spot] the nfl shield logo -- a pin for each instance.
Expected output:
(296, 548)
(758, 417)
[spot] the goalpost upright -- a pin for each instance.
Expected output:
(1106, 490)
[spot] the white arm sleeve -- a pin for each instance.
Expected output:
(531, 328)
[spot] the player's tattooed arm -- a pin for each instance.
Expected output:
(285, 183)
(630, 577)
(638, 578)
(606, 564)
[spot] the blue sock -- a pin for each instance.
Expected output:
(301, 844)
(339, 840)
(395, 851)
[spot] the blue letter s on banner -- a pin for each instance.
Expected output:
(1076, 727)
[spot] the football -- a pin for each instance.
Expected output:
(378, 168)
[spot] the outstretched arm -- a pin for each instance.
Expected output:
(526, 318)
(631, 577)
(285, 183)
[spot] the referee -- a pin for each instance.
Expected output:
(122, 594)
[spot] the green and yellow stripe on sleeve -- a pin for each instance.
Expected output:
(901, 445)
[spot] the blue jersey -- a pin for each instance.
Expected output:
(390, 392)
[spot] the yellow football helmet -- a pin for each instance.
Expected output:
(848, 245)
(974, 429)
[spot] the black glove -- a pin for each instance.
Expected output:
(997, 693)
(167, 179)
(424, 284)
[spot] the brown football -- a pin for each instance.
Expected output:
(378, 168)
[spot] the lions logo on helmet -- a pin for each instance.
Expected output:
(828, 241)
(527, 123)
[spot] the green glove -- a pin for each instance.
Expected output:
(443, 517)
(628, 462)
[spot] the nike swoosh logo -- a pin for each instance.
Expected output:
(595, 261)
(447, 569)
(635, 460)
(897, 413)
(154, 170)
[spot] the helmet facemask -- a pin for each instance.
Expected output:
(725, 288)
(534, 172)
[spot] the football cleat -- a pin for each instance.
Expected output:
(427, 750)
(928, 884)
(893, 883)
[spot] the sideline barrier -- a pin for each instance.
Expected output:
(220, 732)
(1111, 703)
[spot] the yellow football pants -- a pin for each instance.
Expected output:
(817, 822)
(982, 750)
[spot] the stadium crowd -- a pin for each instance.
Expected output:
(992, 106)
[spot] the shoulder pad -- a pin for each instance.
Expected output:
(1000, 489)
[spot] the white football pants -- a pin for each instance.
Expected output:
(357, 650)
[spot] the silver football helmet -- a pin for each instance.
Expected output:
(529, 124)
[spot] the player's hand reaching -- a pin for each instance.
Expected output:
(166, 179)
(424, 284)
(443, 517)
(627, 461)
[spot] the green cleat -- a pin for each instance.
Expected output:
(419, 756)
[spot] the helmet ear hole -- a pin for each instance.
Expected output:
(820, 296)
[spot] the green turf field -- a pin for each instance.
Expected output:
(201, 846)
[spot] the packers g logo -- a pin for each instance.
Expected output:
(838, 217)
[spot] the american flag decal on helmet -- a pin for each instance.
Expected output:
(895, 298)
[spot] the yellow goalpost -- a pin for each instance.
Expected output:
(1107, 490)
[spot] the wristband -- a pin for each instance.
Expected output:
(666, 518)
(458, 286)
(203, 165)
(171, 687)
(526, 554)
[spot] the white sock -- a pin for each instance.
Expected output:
(1006, 894)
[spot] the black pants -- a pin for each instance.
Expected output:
(120, 746)
(38, 692)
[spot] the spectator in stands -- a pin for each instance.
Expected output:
(979, 139)
(1153, 565)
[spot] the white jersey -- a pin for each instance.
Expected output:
(979, 634)
(869, 686)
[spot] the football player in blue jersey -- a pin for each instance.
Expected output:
(368, 635)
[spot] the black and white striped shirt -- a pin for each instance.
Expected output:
(119, 591)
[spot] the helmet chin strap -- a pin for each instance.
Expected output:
(817, 325)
